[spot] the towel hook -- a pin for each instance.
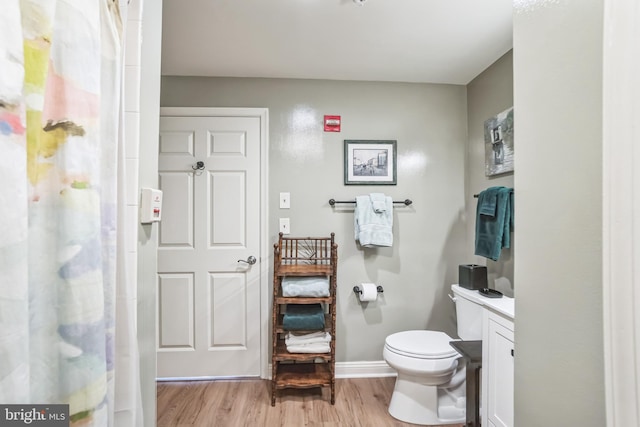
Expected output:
(198, 167)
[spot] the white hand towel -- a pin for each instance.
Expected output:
(310, 348)
(312, 338)
(378, 202)
(373, 229)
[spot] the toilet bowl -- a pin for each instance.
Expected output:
(430, 387)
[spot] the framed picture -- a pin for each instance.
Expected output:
(498, 143)
(369, 162)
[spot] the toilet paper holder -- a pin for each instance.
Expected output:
(357, 290)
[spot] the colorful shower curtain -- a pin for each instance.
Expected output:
(61, 281)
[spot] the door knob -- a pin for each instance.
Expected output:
(251, 260)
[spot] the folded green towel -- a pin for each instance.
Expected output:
(493, 228)
(303, 317)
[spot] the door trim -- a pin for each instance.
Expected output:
(263, 115)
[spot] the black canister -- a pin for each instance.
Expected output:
(472, 276)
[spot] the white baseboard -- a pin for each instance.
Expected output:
(364, 369)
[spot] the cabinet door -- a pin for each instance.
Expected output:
(500, 375)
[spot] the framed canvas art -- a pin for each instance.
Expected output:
(498, 143)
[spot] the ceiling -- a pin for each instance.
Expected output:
(433, 41)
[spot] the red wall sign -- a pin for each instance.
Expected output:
(332, 123)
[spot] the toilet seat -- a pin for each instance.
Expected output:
(421, 344)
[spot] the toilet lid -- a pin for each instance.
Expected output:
(421, 344)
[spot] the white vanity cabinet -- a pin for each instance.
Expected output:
(497, 369)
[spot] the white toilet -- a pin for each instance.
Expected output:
(430, 387)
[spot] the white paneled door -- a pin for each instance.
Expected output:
(209, 280)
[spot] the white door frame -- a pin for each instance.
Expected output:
(621, 212)
(263, 115)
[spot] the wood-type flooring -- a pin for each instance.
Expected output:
(360, 402)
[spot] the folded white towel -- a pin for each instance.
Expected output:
(305, 287)
(310, 348)
(305, 339)
(378, 202)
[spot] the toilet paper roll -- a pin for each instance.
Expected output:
(369, 292)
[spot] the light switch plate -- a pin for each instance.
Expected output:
(285, 200)
(284, 226)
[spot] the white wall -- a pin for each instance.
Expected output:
(149, 119)
(132, 69)
(558, 213)
(133, 28)
(429, 124)
(621, 211)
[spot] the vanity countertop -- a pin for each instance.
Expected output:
(504, 306)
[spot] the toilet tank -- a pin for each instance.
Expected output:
(468, 312)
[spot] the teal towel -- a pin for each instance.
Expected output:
(494, 222)
(303, 317)
(488, 201)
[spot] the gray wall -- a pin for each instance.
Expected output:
(429, 123)
(488, 94)
(558, 213)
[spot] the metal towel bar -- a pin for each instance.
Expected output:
(333, 202)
